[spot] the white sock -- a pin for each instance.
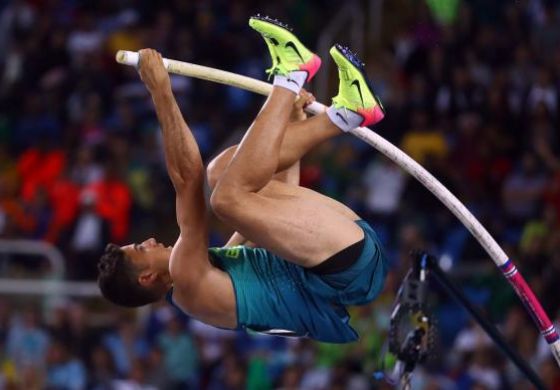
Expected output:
(344, 119)
(294, 81)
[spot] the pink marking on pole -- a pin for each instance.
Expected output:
(552, 338)
(507, 266)
(530, 301)
(551, 335)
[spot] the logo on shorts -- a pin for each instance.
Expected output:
(232, 253)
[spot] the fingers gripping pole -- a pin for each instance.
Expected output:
(507, 268)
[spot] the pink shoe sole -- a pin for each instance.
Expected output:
(371, 115)
(311, 67)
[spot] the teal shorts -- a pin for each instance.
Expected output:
(358, 284)
(273, 294)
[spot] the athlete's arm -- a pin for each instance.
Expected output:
(182, 157)
(189, 265)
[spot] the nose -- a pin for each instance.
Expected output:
(150, 242)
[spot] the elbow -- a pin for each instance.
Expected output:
(186, 179)
(179, 181)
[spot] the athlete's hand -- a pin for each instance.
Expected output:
(303, 100)
(152, 72)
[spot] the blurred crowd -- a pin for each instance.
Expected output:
(471, 89)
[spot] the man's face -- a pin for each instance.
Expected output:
(149, 256)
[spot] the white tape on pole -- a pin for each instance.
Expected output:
(497, 254)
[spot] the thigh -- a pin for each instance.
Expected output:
(297, 224)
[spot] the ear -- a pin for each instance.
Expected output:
(147, 278)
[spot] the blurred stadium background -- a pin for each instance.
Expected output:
(471, 91)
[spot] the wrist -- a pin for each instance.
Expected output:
(161, 91)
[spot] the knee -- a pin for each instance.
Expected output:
(225, 200)
(214, 172)
(218, 165)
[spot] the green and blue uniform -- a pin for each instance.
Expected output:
(275, 296)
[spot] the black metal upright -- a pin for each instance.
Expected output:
(439, 275)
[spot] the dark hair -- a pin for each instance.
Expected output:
(118, 280)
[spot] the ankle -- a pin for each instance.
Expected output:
(293, 81)
(344, 118)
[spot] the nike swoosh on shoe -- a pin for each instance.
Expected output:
(356, 83)
(293, 46)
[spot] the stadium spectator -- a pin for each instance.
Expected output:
(64, 371)
(180, 356)
(101, 370)
(126, 346)
(27, 341)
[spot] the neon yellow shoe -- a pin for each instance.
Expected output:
(354, 91)
(287, 52)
